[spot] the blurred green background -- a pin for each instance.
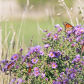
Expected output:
(29, 25)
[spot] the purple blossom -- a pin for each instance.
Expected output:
(82, 30)
(57, 26)
(66, 57)
(54, 65)
(42, 75)
(55, 36)
(24, 58)
(13, 80)
(34, 60)
(45, 30)
(4, 61)
(14, 57)
(21, 49)
(77, 33)
(70, 40)
(28, 64)
(72, 75)
(3, 69)
(78, 38)
(57, 54)
(66, 81)
(73, 44)
(83, 57)
(77, 56)
(46, 79)
(29, 53)
(36, 73)
(54, 82)
(76, 59)
(69, 32)
(59, 29)
(51, 55)
(37, 48)
(20, 81)
(36, 68)
(48, 35)
(46, 45)
(41, 52)
(77, 50)
(17, 67)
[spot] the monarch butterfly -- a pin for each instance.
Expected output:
(9, 66)
(29, 70)
(68, 27)
(82, 48)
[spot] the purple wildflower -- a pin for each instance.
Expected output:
(37, 48)
(73, 44)
(45, 30)
(36, 73)
(17, 67)
(48, 35)
(57, 26)
(59, 29)
(66, 81)
(4, 61)
(72, 75)
(13, 80)
(41, 52)
(83, 57)
(34, 60)
(70, 40)
(55, 36)
(78, 38)
(36, 68)
(51, 55)
(21, 49)
(28, 64)
(77, 50)
(42, 75)
(57, 54)
(46, 79)
(46, 45)
(14, 57)
(54, 65)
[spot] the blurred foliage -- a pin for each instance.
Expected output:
(42, 3)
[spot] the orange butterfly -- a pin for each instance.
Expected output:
(82, 48)
(29, 70)
(9, 66)
(68, 27)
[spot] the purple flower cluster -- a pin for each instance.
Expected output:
(60, 60)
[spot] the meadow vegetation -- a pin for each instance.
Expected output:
(41, 52)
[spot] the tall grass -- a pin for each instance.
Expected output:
(14, 46)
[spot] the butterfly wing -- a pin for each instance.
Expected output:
(9, 66)
(29, 70)
(68, 27)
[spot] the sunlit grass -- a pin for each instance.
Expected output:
(29, 28)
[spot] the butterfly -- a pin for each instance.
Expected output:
(9, 66)
(82, 50)
(68, 27)
(29, 70)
